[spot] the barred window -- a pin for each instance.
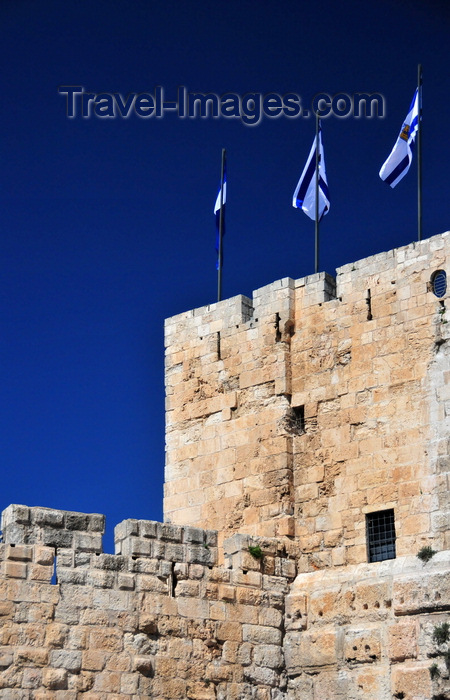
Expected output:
(439, 283)
(380, 529)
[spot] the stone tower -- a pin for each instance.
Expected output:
(308, 465)
(306, 410)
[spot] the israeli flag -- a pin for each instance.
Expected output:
(224, 196)
(397, 165)
(305, 193)
(223, 192)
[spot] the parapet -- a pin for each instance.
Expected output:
(229, 314)
(40, 547)
(149, 539)
(162, 619)
(53, 528)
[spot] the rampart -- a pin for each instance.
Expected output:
(298, 413)
(301, 424)
(162, 619)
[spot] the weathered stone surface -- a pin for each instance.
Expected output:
(413, 681)
(54, 678)
(291, 418)
(362, 645)
(402, 642)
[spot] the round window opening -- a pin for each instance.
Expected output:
(439, 283)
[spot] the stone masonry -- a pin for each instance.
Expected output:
(292, 420)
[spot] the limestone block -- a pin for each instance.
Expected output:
(192, 608)
(67, 614)
(54, 678)
(327, 605)
(374, 597)
(126, 582)
(69, 660)
(369, 682)
(413, 595)
(106, 640)
(411, 682)
(99, 579)
(15, 569)
(56, 538)
(87, 542)
(229, 631)
(47, 516)
(44, 555)
(201, 554)
(362, 645)
(259, 634)
(75, 521)
(40, 573)
(15, 514)
(29, 656)
(245, 561)
(261, 675)
(168, 532)
(193, 535)
(227, 592)
(129, 683)
(136, 547)
(300, 688)
(175, 552)
(200, 691)
(144, 665)
(402, 642)
(55, 635)
(147, 528)
(309, 649)
(295, 611)
(6, 659)
(19, 552)
(268, 655)
(110, 562)
(32, 678)
(125, 529)
(270, 617)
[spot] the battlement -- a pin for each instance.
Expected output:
(297, 413)
(387, 268)
(60, 543)
(151, 620)
(162, 619)
(230, 314)
(53, 528)
(301, 424)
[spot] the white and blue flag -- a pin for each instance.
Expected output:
(397, 165)
(217, 208)
(305, 192)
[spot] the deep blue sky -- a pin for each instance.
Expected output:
(107, 224)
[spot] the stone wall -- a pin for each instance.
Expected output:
(298, 412)
(158, 619)
(365, 632)
(161, 619)
(290, 418)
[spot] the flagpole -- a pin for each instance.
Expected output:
(316, 252)
(221, 222)
(419, 153)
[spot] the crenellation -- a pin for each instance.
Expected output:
(294, 421)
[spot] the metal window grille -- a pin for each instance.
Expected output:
(439, 283)
(380, 535)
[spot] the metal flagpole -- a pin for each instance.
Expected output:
(221, 224)
(419, 153)
(316, 256)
